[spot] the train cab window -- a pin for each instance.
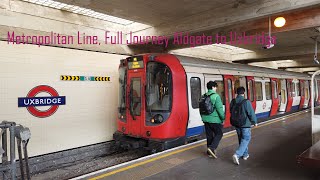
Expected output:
(250, 89)
(298, 88)
(275, 89)
(293, 89)
(135, 102)
(268, 90)
(159, 87)
(230, 90)
(195, 85)
(259, 95)
(220, 91)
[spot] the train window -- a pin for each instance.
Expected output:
(195, 85)
(289, 88)
(220, 91)
(306, 89)
(122, 91)
(230, 90)
(298, 88)
(236, 85)
(283, 96)
(259, 95)
(268, 90)
(302, 89)
(250, 89)
(275, 89)
(135, 103)
(293, 89)
(159, 87)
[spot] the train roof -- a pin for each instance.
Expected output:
(202, 63)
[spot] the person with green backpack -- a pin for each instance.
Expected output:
(242, 117)
(213, 116)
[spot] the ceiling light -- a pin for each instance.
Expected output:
(279, 22)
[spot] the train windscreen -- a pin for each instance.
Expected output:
(159, 87)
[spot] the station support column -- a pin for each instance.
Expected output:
(315, 119)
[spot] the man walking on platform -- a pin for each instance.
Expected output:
(242, 116)
(213, 119)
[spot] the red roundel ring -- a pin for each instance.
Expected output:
(34, 111)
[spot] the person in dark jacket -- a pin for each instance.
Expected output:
(244, 132)
(213, 122)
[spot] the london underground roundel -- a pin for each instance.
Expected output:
(51, 99)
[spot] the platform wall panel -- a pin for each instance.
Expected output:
(89, 115)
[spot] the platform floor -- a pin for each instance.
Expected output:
(273, 150)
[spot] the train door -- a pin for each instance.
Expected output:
(229, 95)
(302, 94)
(295, 85)
(135, 119)
(306, 94)
(240, 81)
(263, 97)
(251, 91)
(289, 95)
(196, 88)
(283, 95)
(274, 94)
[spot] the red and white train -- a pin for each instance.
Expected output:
(159, 94)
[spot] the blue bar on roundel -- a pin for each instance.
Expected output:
(41, 101)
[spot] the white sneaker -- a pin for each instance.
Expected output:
(246, 157)
(235, 159)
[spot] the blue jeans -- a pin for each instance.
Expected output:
(244, 136)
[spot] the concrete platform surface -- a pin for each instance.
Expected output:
(273, 150)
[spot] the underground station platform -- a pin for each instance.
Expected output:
(274, 151)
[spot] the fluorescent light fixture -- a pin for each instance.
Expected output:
(232, 49)
(80, 10)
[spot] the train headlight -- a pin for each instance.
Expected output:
(158, 118)
(122, 117)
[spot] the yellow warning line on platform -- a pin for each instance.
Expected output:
(188, 148)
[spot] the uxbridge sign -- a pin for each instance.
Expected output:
(31, 101)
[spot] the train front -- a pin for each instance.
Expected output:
(153, 108)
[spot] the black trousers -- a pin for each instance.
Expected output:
(216, 129)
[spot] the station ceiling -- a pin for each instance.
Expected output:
(294, 48)
(294, 41)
